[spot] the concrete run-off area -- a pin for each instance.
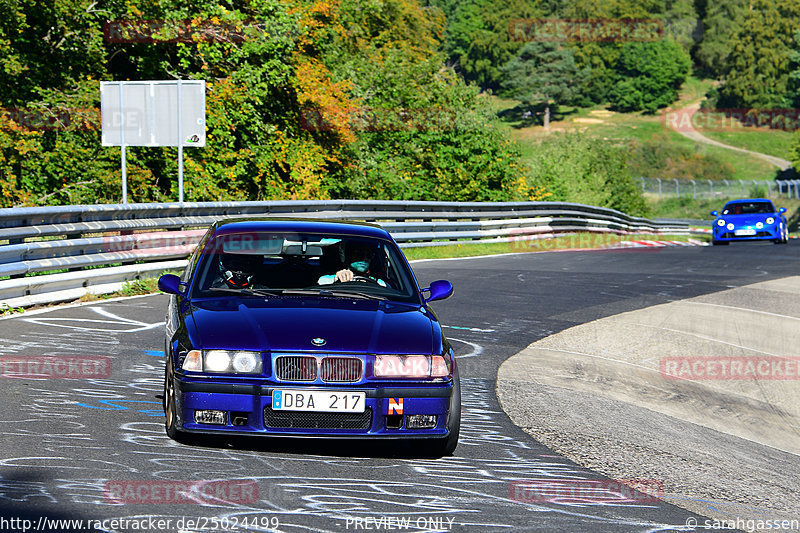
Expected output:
(702, 394)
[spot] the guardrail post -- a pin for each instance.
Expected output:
(727, 189)
(694, 189)
(659, 188)
(677, 188)
(769, 187)
(742, 182)
(642, 178)
(711, 188)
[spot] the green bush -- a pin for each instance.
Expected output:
(577, 168)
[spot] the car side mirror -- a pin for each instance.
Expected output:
(714, 214)
(439, 289)
(171, 284)
(782, 210)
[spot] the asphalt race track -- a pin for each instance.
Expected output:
(67, 445)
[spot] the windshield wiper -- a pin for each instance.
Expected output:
(249, 292)
(332, 294)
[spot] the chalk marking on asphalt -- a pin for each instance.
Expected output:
(707, 338)
(469, 329)
(743, 309)
(59, 307)
(115, 320)
(477, 349)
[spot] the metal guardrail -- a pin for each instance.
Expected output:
(91, 242)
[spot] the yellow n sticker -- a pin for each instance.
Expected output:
(395, 406)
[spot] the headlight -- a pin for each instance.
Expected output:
(770, 220)
(410, 366)
(216, 361)
(223, 361)
(246, 362)
(720, 222)
(729, 226)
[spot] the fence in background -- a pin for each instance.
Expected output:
(664, 188)
(97, 248)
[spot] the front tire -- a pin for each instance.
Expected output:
(446, 446)
(719, 243)
(171, 404)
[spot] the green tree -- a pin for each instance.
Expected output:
(479, 39)
(543, 73)
(721, 21)
(757, 73)
(649, 75)
(46, 45)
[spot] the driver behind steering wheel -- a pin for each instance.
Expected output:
(359, 259)
(237, 271)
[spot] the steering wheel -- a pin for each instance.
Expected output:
(364, 279)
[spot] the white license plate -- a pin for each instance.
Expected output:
(744, 232)
(319, 401)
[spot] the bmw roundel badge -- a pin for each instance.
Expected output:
(318, 341)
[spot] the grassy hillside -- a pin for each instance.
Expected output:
(640, 129)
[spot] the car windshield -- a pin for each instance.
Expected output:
(748, 208)
(293, 264)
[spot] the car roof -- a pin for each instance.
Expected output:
(304, 225)
(748, 200)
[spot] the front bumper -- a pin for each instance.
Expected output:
(767, 233)
(248, 408)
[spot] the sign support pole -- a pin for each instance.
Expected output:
(122, 148)
(180, 145)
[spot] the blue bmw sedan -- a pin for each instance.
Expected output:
(749, 220)
(297, 328)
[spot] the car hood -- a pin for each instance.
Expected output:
(289, 324)
(750, 219)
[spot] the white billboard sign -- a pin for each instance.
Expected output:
(153, 113)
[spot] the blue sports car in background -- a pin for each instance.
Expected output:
(748, 220)
(298, 328)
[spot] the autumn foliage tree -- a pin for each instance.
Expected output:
(295, 88)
